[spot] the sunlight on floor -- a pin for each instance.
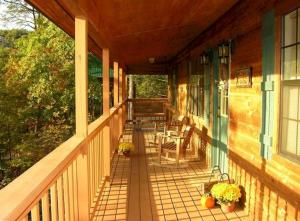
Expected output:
(174, 193)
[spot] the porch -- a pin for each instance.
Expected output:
(224, 72)
(141, 189)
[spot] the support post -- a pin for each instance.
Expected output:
(124, 86)
(116, 75)
(124, 94)
(106, 112)
(81, 103)
(130, 96)
(121, 85)
(105, 81)
(116, 116)
(120, 112)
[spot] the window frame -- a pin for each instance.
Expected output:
(198, 97)
(288, 82)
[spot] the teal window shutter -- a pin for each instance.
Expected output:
(267, 86)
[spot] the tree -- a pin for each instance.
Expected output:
(36, 97)
(150, 86)
(21, 14)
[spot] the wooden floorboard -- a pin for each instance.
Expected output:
(144, 182)
(143, 190)
(134, 210)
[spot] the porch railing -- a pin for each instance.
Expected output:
(67, 181)
(147, 109)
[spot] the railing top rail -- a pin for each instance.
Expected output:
(17, 197)
(149, 114)
(147, 100)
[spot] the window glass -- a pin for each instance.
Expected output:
(298, 39)
(290, 98)
(298, 61)
(196, 88)
(289, 68)
(290, 34)
(290, 102)
(298, 141)
(289, 134)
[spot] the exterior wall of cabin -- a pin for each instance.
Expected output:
(272, 186)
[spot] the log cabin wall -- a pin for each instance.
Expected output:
(272, 186)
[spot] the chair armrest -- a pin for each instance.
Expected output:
(169, 136)
(176, 137)
(172, 133)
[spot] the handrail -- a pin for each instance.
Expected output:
(147, 100)
(17, 198)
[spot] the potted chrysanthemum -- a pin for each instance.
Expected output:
(227, 195)
(125, 148)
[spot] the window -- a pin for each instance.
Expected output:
(196, 87)
(174, 87)
(223, 89)
(290, 93)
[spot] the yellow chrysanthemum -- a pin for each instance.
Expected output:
(125, 147)
(225, 192)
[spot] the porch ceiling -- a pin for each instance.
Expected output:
(136, 30)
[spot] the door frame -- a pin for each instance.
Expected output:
(219, 153)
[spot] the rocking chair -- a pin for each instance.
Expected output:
(175, 144)
(175, 128)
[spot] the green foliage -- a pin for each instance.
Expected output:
(94, 98)
(36, 96)
(11, 36)
(150, 86)
(42, 70)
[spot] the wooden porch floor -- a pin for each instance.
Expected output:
(143, 190)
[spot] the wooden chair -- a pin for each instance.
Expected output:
(177, 123)
(175, 128)
(175, 144)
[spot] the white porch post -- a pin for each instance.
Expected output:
(120, 113)
(115, 126)
(116, 83)
(106, 112)
(81, 103)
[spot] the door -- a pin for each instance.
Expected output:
(220, 114)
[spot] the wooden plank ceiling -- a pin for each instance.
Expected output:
(136, 30)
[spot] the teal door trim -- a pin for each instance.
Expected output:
(214, 148)
(220, 123)
(267, 86)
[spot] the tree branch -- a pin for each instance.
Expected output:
(23, 5)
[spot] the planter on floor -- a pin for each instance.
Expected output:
(228, 207)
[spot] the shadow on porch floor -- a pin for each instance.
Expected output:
(143, 190)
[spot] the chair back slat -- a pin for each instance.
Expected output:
(187, 134)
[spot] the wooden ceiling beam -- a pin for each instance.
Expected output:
(151, 69)
(137, 30)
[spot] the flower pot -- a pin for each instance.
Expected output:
(228, 207)
(126, 154)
